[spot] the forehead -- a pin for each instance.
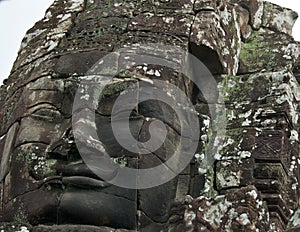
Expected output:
(55, 94)
(44, 85)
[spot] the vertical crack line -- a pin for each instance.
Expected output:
(58, 205)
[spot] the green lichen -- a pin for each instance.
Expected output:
(256, 52)
(230, 146)
(116, 88)
(234, 89)
(227, 174)
(49, 167)
(40, 166)
(90, 6)
(21, 217)
(20, 157)
(122, 161)
(209, 190)
(55, 75)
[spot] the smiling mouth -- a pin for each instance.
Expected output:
(84, 182)
(76, 174)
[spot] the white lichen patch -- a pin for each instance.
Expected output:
(244, 154)
(76, 6)
(189, 218)
(293, 165)
(48, 15)
(253, 194)
(51, 45)
(246, 114)
(291, 51)
(85, 97)
(232, 214)
(228, 179)
(168, 19)
(231, 115)
(294, 136)
(150, 72)
(286, 92)
(28, 37)
(295, 220)
(226, 16)
(199, 157)
(157, 73)
(23, 229)
(243, 219)
(246, 122)
(257, 16)
(237, 46)
(216, 210)
(53, 34)
(117, 4)
(282, 19)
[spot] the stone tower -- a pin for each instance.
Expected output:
(251, 182)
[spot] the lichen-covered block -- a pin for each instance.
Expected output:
(234, 173)
(277, 18)
(273, 146)
(256, 11)
(218, 40)
(267, 50)
(173, 24)
(260, 99)
(236, 210)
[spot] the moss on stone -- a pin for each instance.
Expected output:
(209, 190)
(116, 88)
(254, 52)
(49, 167)
(20, 217)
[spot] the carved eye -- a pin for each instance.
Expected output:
(47, 114)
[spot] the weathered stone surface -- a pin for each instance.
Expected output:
(94, 210)
(255, 9)
(250, 182)
(267, 50)
(278, 18)
(78, 228)
(216, 37)
(294, 222)
(238, 210)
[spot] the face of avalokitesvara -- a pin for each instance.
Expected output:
(45, 180)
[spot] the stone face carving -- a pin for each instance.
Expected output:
(253, 183)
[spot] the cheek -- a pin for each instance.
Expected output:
(35, 130)
(38, 206)
(27, 165)
(24, 182)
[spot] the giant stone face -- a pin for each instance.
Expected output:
(248, 182)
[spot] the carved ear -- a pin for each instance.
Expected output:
(7, 146)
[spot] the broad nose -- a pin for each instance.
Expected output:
(64, 149)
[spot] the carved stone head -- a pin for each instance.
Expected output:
(248, 180)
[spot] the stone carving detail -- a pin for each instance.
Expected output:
(253, 184)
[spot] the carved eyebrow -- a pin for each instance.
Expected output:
(39, 85)
(45, 111)
(41, 105)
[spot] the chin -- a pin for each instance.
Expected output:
(113, 207)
